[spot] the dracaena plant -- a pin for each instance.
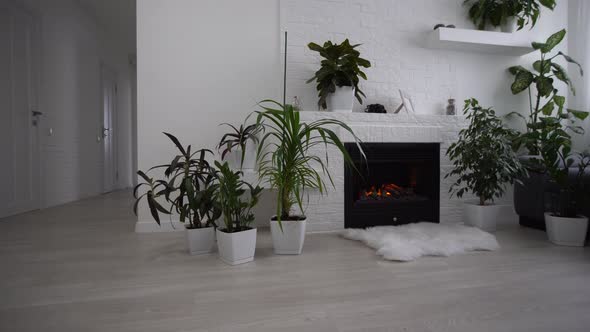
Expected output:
(288, 157)
(235, 197)
(545, 99)
(238, 138)
(483, 159)
(341, 66)
(187, 189)
(495, 12)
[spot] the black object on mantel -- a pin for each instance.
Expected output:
(375, 108)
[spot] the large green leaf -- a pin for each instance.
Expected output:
(571, 60)
(548, 108)
(516, 69)
(545, 64)
(562, 75)
(548, 3)
(544, 86)
(553, 41)
(578, 114)
(522, 81)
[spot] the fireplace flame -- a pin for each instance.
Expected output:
(386, 191)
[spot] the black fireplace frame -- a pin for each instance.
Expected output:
(392, 213)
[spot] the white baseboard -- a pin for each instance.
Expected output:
(150, 226)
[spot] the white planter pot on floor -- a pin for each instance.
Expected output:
(484, 217)
(236, 248)
(200, 240)
(341, 100)
(289, 240)
(566, 231)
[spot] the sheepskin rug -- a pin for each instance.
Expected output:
(407, 242)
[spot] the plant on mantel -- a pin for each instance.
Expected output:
(497, 12)
(187, 190)
(287, 159)
(340, 67)
(547, 111)
(483, 159)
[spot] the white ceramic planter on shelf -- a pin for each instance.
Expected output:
(236, 248)
(566, 231)
(484, 217)
(200, 240)
(289, 240)
(509, 24)
(341, 100)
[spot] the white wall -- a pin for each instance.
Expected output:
(201, 63)
(73, 47)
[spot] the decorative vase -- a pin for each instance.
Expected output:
(509, 24)
(484, 217)
(566, 231)
(289, 240)
(236, 248)
(341, 100)
(200, 240)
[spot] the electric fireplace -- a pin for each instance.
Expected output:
(399, 183)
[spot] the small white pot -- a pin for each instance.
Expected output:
(289, 240)
(509, 24)
(484, 217)
(236, 248)
(341, 100)
(200, 240)
(234, 158)
(566, 231)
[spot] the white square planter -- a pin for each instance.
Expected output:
(288, 241)
(200, 240)
(236, 248)
(484, 217)
(341, 100)
(566, 231)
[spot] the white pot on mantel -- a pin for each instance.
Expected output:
(509, 24)
(341, 100)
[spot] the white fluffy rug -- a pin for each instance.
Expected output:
(408, 242)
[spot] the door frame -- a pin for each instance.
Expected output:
(109, 73)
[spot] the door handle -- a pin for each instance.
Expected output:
(36, 115)
(105, 132)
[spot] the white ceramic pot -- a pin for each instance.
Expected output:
(341, 100)
(236, 248)
(509, 24)
(289, 240)
(200, 240)
(484, 217)
(566, 231)
(234, 158)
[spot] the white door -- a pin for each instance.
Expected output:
(109, 135)
(19, 115)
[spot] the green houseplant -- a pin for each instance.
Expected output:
(289, 165)
(483, 163)
(338, 77)
(238, 145)
(186, 192)
(236, 239)
(506, 13)
(546, 100)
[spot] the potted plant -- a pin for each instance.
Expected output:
(239, 146)
(483, 162)
(236, 239)
(338, 77)
(188, 193)
(563, 223)
(506, 14)
(289, 166)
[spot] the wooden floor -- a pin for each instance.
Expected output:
(80, 267)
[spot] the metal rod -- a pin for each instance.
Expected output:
(285, 74)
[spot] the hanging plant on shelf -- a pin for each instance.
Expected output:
(495, 13)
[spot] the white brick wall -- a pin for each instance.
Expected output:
(326, 213)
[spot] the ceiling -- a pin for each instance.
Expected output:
(118, 17)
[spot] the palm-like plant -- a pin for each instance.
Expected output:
(286, 159)
(230, 192)
(188, 188)
(238, 138)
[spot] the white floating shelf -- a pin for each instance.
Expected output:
(490, 42)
